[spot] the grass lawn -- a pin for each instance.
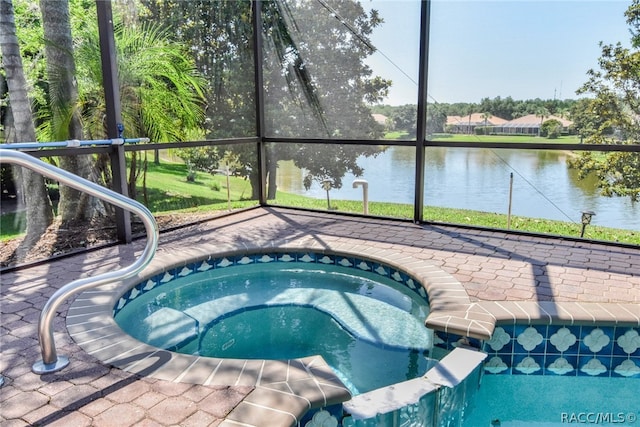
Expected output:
(168, 190)
(465, 217)
(12, 225)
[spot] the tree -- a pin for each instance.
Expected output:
(65, 122)
(470, 112)
(316, 82)
(218, 35)
(551, 129)
(436, 119)
(403, 118)
(318, 85)
(543, 113)
(161, 93)
(39, 211)
(585, 120)
(616, 104)
(485, 118)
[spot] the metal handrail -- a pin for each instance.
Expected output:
(51, 362)
(72, 143)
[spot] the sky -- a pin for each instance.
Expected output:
(479, 48)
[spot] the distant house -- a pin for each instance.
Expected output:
(468, 124)
(379, 118)
(530, 125)
(525, 125)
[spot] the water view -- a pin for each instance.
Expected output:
(479, 179)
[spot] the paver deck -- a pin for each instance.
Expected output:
(493, 267)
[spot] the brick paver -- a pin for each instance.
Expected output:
(491, 265)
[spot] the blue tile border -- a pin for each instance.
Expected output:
(569, 350)
(303, 257)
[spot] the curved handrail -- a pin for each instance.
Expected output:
(50, 361)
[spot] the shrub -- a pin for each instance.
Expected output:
(551, 129)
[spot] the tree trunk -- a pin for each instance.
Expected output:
(63, 93)
(272, 187)
(254, 180)
(31, 185)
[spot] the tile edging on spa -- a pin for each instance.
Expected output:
(448, 300)
(562, 312)
(478, 319)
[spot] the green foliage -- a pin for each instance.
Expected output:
(522, 139)
(618, 173)
(169, 190)
(586, 122)
(161, 92)
(12, 225)
(613, 115)
(30, 34)
(508, 108)
(200, 158)
(330, 41)
(551, 129)
(218, 36)
(314, 75)
(481, 130)
(403, 119)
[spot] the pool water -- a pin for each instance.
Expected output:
(296, 331)
(546, 400)
(368, 328)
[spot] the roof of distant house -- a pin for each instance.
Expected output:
(533, 121)
(379, 118)
(475, 119)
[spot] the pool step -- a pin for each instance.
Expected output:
(168, 328)
(366, 318)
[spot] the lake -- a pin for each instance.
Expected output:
(479, 179)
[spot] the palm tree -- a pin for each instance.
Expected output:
(470, 111)
(161, 93)
(33, 189)
(486, 117)
(543, 113)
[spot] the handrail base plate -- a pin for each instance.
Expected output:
(40, 368)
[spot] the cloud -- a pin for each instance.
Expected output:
(495, 365)
(322, 419)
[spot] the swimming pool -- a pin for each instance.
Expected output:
(367, 326)
(540, 400)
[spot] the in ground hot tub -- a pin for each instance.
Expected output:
(364, 318)
(263, 318)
